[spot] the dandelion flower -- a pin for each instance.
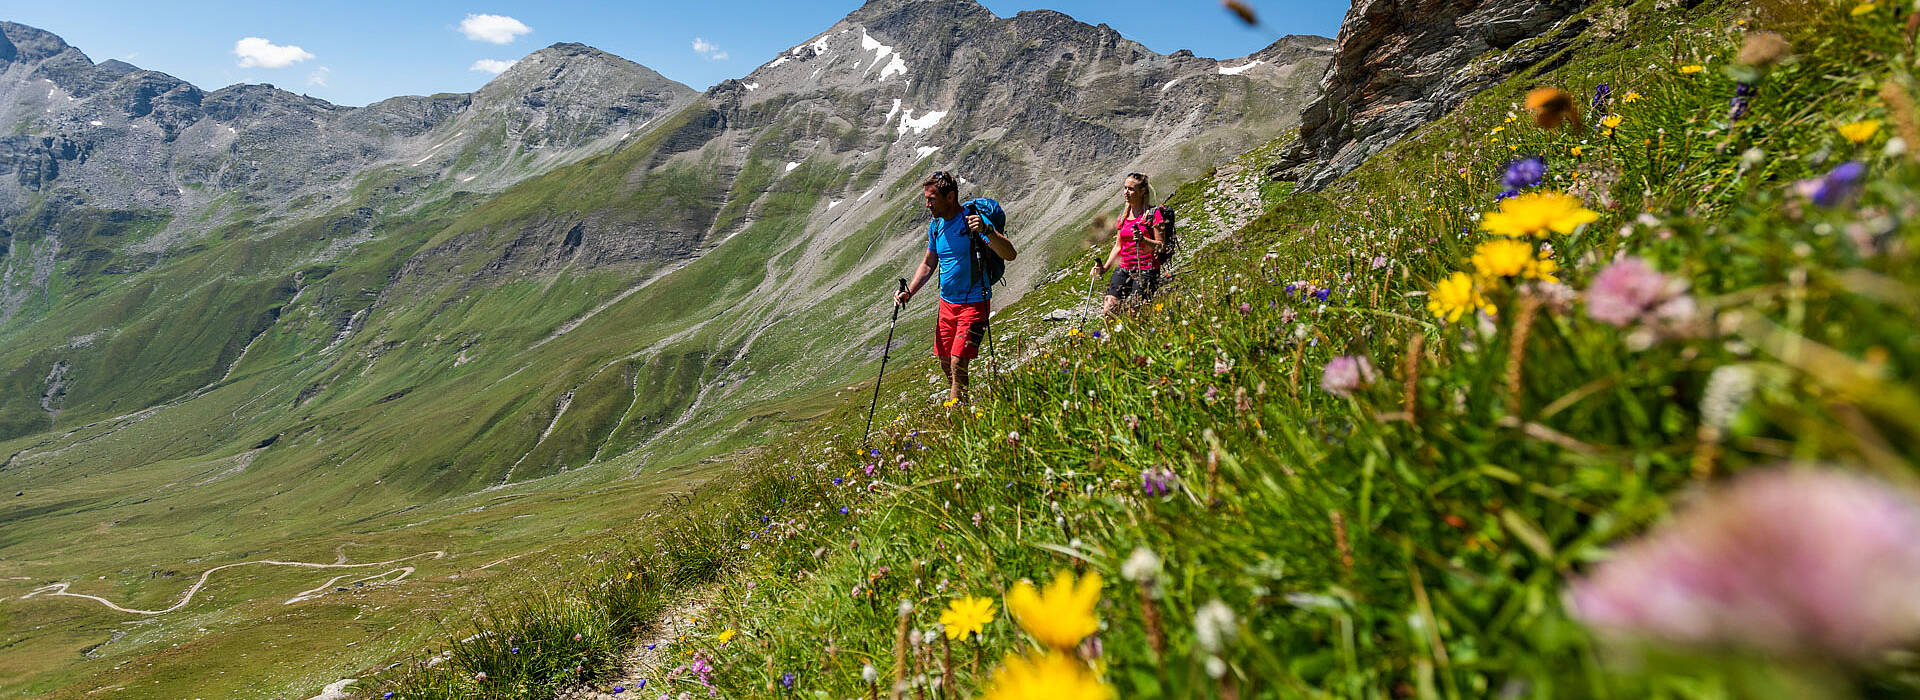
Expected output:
(1691, 69)
(1455, 296)
(1631, 97)
(726, 636)
(1858, 132)
(1538, 213)
(967, 616)
(1612, 122)
(1577, 151)
(1062, 614)
(1791, 561)
(1552, 107)
(1865, 8)
(1055, 676)
(1502, 258)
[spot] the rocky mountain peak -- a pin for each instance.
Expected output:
(19, 42)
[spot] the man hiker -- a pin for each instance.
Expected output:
(965, 294)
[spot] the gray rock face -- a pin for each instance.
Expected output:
(1403, 63)
(119, 137)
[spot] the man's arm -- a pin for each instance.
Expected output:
(1000, 245)
(927, 266)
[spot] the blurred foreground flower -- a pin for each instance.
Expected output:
(1796, 561)
(1346, 374)
(1630, 291)
(1062, 614)
(1763, 49)
(1836, 187)
(1525, 173)
(1454, 296)
(1553, 107)
(1860, 131)
(1054, 676)
(1538, 214)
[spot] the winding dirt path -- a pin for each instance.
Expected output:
(60, 589)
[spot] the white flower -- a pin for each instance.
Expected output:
(1727, 390)
(1142, 565)
(1213, 625)
(870, 674)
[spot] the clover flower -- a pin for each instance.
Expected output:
(1792, 561)
(1630, 291)
(1346, 374)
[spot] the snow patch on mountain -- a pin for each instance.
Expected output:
(920, 125)
(1236, 70)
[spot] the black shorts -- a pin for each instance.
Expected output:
(1133, 283)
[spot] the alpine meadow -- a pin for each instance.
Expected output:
(1491, 348)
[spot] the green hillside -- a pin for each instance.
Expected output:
(1263, 527)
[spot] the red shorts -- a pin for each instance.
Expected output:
(960, 328)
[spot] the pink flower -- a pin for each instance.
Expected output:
(1798, 561)
(1630, 291)
(1346, 374)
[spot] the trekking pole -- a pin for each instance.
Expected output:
(1087, 311)
(885, 353)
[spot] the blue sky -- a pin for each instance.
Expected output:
(354, 52)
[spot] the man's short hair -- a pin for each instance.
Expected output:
(942, 183)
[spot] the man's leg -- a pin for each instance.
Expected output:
(958, 376)
(946, 368)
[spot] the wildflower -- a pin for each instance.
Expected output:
(1691, 69)
(726, 636)
(1737, 107)
(1631, 97)
(1602, 97)
(1142, 565)
(1062, 614)
(1073, 332)
(869, 674)
(1553, 107)
(1455, 296)
(1525, 173)
(1630, 291)
(481, 676)
(1348, 373)
(1865, 8)
(1213, 626)
(967, 616)
(616, 690)
(1240, 9)
(1612, 122)
(1784, 560)
(1728, 388)
(786, 680)
(1836, 187)
(1538, 213)
(1505, 257)
(1577, 151)
(1858, 132)
(1763, 49)
(1054, 676)
(1156, 481)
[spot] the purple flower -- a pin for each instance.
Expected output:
(1524, 173)
(1602, 100)
(1836, 187)
(1096, 334)
(786, 680)
(514, 650)
(1630, 291)
(837, 481)
(1791, 560)
(1737, 107)
(843, 510)
(1346, 374)
(1156, 481)
(642, 685)
(618, 689)
(1323, 294)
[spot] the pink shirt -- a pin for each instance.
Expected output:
(1134, 255)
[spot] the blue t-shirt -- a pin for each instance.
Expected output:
(950, 239)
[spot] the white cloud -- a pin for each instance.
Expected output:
(708, 49)
(497, 29)
(492, 65)
(319, 76)
(255, 52)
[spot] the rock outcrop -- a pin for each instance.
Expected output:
(1403, 63)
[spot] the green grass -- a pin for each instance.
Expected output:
(1414, 539)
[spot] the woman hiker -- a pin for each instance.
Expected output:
(1134, 249)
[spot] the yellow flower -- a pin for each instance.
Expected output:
(965, 616)
(1538, 213)
(1576, 151)
(1455, 296)
(1061, 615)
(1860, 131)
(1157, 307)
(1631, 97)
(949, 404)
(1543, 268)
(1055, 676)
(726, 636)
(1612, 122)
(1073, 332)
(1691, 69)
(1504, 257)
(1864, 9)
(1498, 129)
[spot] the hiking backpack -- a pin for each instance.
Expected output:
(1170, 242)
(986, 263)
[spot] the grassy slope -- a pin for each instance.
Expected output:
(1412, 539)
